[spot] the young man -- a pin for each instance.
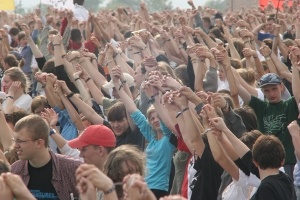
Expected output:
(275, 114)
(46, 175)
(268, 157)
(94, 144)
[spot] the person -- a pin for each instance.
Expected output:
(14, 84)
(80, 12)
(94, 144)
(268, 157)
(124, 160)
(46, 175)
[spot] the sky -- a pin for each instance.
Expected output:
(176, 3)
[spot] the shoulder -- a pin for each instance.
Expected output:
(66, 162)
(18, 166)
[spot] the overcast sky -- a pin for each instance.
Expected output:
(176, 3)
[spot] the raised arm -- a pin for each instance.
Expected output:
(294, 132)
(295, 51)
(6, 133)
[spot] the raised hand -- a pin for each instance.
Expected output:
(50, 116)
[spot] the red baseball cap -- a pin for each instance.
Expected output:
(94, 135)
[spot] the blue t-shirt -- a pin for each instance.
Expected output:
(159, 153)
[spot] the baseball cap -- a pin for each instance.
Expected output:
(269, 79)
(129, 80)
(94, 135)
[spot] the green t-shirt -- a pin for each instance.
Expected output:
(273, 119)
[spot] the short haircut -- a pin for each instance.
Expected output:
(21, 35)
(268, 152)
(248, 75)
(206, 19)
(36, 126)
(76, 35)
(117, 112)
(248, 116)
(14, 31)
(249, 138)
(79, 2)
(49, 66)
(181, 73)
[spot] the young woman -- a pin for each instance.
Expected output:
(159, 151)
(14, 84)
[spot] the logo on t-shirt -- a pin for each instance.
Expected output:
(44, 195)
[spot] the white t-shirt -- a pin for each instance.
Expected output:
(23, 102)
(241, 189)
(80, 13)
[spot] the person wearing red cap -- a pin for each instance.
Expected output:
(94, 144)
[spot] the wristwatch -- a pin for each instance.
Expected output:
(52, 131)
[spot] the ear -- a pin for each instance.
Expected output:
(40, 143)
(256, 164)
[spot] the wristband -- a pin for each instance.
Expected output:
(52, 131)
(110, 190)
(207, 130)
(122, 84)
(182, 111)
(152, 98)
(70, 95)
(9, 97)
(199, 107)
(89, 78)
(56, 45)
(76, 79)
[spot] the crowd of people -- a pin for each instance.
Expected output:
(122, 104)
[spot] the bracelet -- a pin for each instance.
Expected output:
(56, 45)
(137, 52)
(9, 97)
(89, 78)
(207, 130)
(199, 107)
(70, 95)
(182, 111)
(110, 190)
(52, 131)
(122, 84)
(152, 98)
(76, 79)
(226, 105)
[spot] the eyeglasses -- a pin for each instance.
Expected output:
(18, 141)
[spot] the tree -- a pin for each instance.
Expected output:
(217, 4)
(19, 9)
(92, 5)
(153, 5)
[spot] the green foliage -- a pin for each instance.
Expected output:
(19, 9)
(153, 5)
(92, 5)
(217, 4)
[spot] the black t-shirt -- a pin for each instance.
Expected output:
(207, 180)
(40, 182)
(275, 187)
(134, 137)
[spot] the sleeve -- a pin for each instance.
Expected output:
(198, 21)
(257, 105)
(235, 122)
(190, 73)
(24, 103)
(68, 151)
(41, 62)
(247, 160)
(140, 120)
(167, 132)
(34, 35)
(242, 166)
(44, 42)
(62, 75)
(210, 82)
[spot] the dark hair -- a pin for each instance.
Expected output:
(268, 152)
(14, 31)
(248, 116)
(15, 116)
(206, 19)
(181, 73)
(268, 42)
(249, 138)
(117, 112)
(217, 33)
(11, 60)
(49, 66)
(76, 35)
(79, 2)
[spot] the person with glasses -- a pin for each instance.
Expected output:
(47, 175)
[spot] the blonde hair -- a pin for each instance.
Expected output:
(16, 74)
